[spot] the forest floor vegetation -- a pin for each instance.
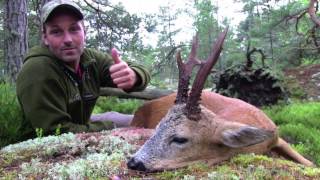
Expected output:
(103, 155)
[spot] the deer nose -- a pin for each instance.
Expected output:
(136, 165)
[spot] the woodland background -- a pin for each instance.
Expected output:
(282, 30)
(280, 36)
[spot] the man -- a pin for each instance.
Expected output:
(59, 82)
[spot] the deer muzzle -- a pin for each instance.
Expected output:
(135, 164)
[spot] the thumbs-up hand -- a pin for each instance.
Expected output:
(122, 75)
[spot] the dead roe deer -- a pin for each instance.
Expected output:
(211, 130)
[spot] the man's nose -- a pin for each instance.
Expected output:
(67, 38)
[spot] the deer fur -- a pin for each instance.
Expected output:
(211, 130)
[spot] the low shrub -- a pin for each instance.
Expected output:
(10, 115)
(310, 61)
(126, 106)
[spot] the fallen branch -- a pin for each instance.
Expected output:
(147, 94)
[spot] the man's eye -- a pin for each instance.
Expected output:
(55, 32)
(74, 29)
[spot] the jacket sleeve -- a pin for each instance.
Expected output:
(143, 77)
(104, 61)
(44, 102)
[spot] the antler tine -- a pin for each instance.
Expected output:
(194, 48)
(192, 107)
(185, 70)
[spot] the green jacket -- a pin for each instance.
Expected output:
(52, 96)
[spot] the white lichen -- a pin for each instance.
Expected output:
(40, 144)
(71, 156)
(189, 177)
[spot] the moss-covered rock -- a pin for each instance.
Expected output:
(103, 155)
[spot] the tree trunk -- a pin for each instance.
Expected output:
(39, 10)
(15, 39)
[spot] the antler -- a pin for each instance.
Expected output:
(193, 110)
(185, 70)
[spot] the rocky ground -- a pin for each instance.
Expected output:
(308, 79)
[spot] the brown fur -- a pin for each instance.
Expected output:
(227, 109)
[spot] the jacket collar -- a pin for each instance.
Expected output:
(85, 60)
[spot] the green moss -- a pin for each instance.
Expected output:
(300, 134)
(262, 167)
(8, 176)
(221, 176)
(199, 167)
(223, 172)
(224, 169)
(178, 174)
(7, 159)
(312, 172)
(307, 113)
(248, 159)
(193, 171)
(299, 124)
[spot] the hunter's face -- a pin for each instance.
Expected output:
(65, 37)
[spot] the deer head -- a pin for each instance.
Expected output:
(189, 132)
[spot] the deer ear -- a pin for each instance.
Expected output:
(240, 135)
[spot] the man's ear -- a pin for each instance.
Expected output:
(44, 39)
(237, 135)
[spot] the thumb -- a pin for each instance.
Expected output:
(115, 55)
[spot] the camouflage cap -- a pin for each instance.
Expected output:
(50, 6)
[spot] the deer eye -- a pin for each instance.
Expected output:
(179, 140)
